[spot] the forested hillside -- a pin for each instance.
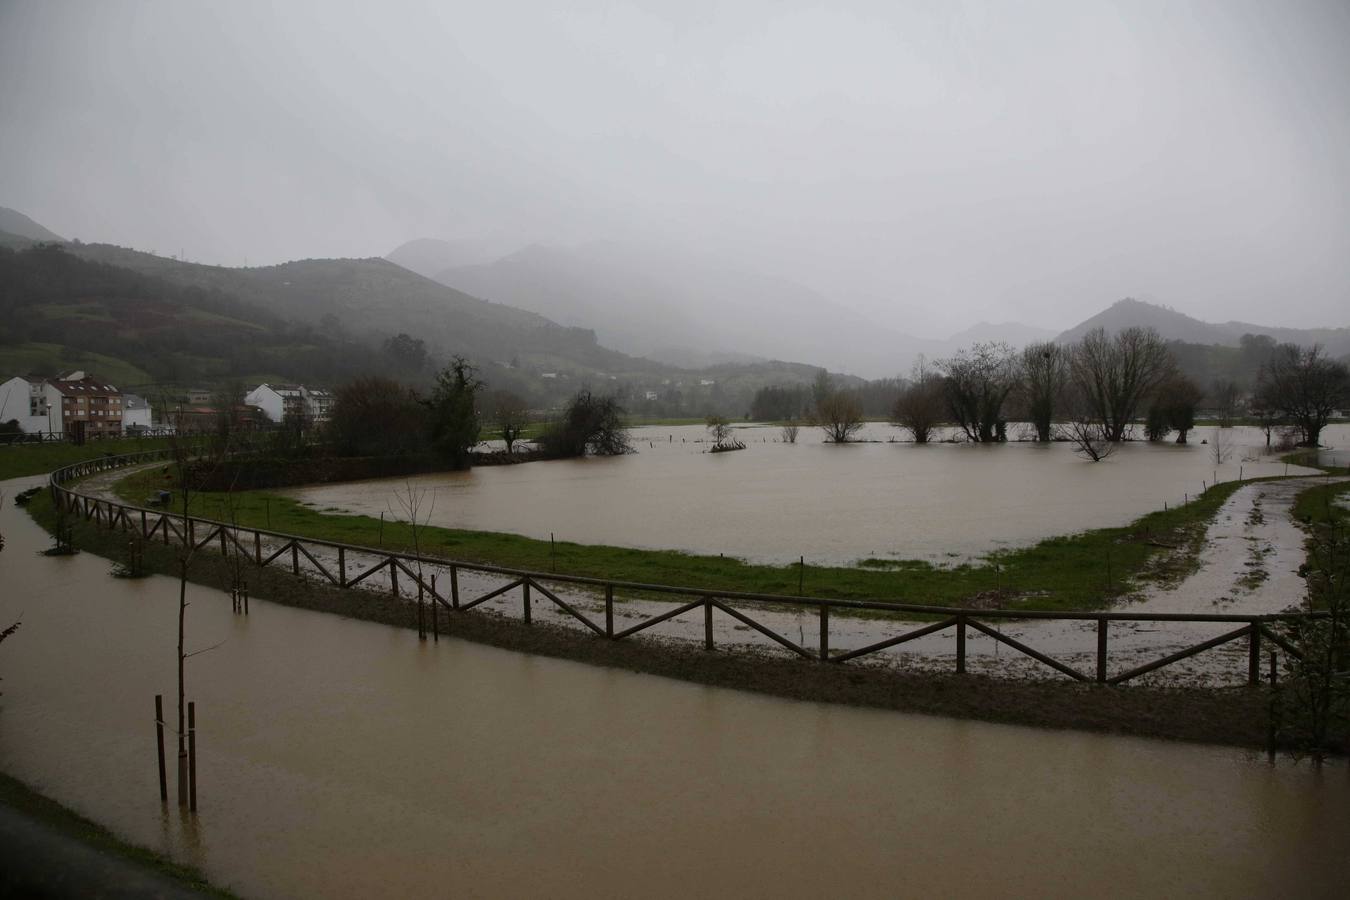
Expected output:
(58, 311)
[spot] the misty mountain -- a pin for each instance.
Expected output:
(15, 224)
(687, 310)
(430, 256)
(1175, 326)
(1015, 333)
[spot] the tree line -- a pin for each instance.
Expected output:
(1092, 393)
(377, 416)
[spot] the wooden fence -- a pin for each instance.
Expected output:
(265, 548)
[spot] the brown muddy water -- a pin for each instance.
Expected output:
(774, 502)
(345, 759)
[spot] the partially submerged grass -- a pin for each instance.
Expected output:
(1080, 571)
(18, 796)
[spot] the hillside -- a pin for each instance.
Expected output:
(58, 312)
(16, 224)
(1175, 326)
(373, 299)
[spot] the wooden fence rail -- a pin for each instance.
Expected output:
(199, 532)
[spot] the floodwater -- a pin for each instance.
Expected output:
(345, 759)
(774, 502)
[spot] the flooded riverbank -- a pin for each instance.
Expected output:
(832, 504)
(342, 758)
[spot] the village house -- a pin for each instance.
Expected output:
(297, 402)
(136, 414)
(24, 399)
(78, 405)
(89, 407)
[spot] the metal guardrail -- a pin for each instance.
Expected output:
(200, 532)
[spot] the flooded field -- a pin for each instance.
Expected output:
(345, 759)
(832, 504)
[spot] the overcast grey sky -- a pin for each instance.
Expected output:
(928, 164)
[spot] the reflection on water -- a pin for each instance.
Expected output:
(832, 504)
(343, 759)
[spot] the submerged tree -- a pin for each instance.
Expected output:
(978, 383)
(840, 416)
(1305, 387)
(589, 424)
(921, 406)
(1045, 376)
(511, 415)
(1179, 397)
(1115, 375)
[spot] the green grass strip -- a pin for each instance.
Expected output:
(1087, 570)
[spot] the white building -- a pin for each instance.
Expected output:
(276, 400)
(280, 400)
(136, 414)
(29, 401)
(318, 403)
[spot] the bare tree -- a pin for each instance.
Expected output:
(1088, 436)
(719, 428)
(978, 383)
(1226, 395)
(789, 431)
(921, 405)
(1115, 375)
(510, 415)
(840, 416)
(1045, 376)
(1306, 387)
(1220, 450)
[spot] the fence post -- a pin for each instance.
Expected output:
(1102, 625)
(525, 593)
(707, 624)
(1254, 656)
(435, 612)
(454, 587)
(257, 547)
(143, 531)
(295, 559)
(824, 632)
(609, 610)
(159, 742)
(393, 578)
(960, 645)
(421, 613)
(342, 566)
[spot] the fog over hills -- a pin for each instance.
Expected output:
(692, 310)
(1176, 326)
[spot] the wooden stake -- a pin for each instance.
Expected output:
(159, 744)
(192, 756)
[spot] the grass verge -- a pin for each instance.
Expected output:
(18, 460)
(18, 796)
(1088, 570)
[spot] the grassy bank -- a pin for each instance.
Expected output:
(1080, 571)
(18, 796)
(1235, 716)
(18, 460)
